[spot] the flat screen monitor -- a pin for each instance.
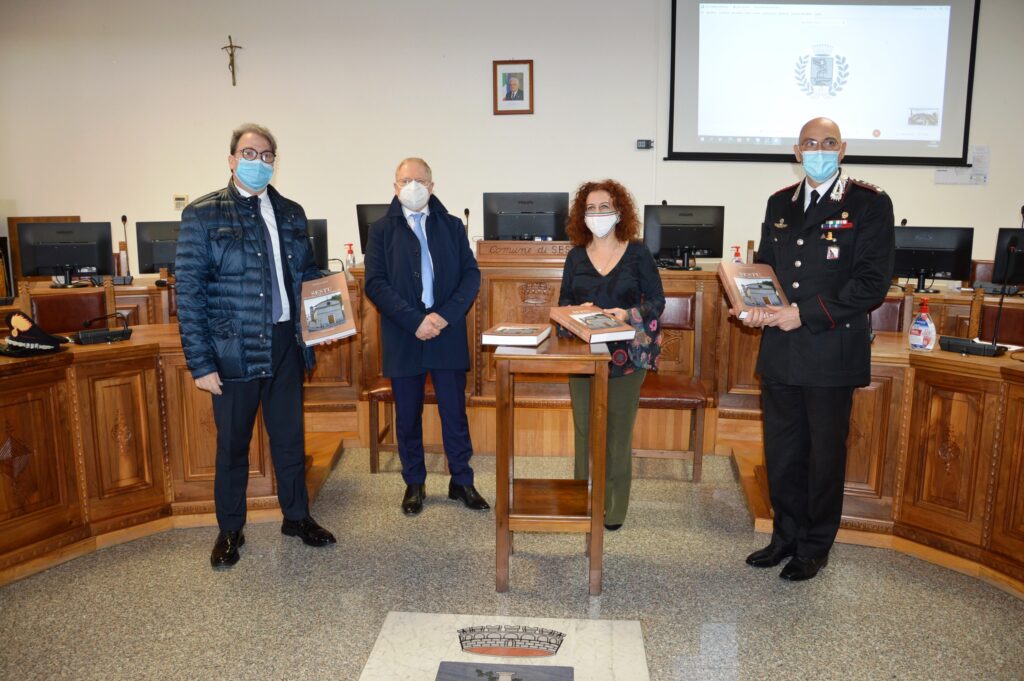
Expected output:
(933, 253)
(157, 243)
(679, 233)
(317, 229)
(366, 215)
(1009, 243)
(52, 248)
(523, 216)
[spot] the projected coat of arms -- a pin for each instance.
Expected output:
(821, 73)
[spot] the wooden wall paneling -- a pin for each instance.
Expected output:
(1007, 528)
(122, 436)
(338, 365)
(41, 506)
(142, 303)
(739, 388)
(949, 454)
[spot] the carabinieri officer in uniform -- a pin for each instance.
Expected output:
(830, 240)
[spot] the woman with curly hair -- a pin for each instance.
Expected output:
(611, 269)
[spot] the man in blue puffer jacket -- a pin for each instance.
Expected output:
(243, 253)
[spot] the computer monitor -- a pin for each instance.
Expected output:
(317, 229)
(525, 216)
(933, 253)
(679, 233)
(366, 215)
(157, 243)
(1009, 243)
(52, 248)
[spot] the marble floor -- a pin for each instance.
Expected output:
(153, 609)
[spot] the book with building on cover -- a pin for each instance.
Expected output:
(327, 312)
(592, 324)
(750, 286)
(515, 334)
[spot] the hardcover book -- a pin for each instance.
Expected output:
(515, 334)
(750, 286)
(592, 324)
(327, 312)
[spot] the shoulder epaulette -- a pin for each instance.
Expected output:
(786, 189)
(867, 185)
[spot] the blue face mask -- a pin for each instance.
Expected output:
(820, 165)
(254, 174)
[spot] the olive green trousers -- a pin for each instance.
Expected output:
(623, 402)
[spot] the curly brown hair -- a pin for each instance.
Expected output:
(628, 227)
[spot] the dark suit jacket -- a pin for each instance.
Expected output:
(395, 286)
(514, 96)
(835, 294)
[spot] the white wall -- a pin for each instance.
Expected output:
(112, 106)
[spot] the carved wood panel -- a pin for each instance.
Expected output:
(1008, 519)
(122, 435)
(949, 455)
(192, 437)
(873, 445)
(39, 495)
(338, 364)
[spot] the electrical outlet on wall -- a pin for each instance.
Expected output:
(180, 201)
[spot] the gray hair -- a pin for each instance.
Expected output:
(416, 159)
(253, 128)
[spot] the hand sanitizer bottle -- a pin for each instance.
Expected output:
(350, 257)
(922, 332)
(736, 257)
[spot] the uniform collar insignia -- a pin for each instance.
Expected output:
(839, 188)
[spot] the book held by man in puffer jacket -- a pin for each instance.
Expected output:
(327, 312)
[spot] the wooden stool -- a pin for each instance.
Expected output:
(536, 505)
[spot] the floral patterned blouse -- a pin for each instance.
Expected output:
(634, 285)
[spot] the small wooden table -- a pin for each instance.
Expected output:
(539, 505)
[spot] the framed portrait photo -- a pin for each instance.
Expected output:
(513, 87)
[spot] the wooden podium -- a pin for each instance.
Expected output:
(538, 505)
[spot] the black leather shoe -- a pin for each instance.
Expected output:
(769, 556)
(308, 531)
(612, 528)
(468, 495)
(225, 550)
(412, 502)
(798, 569)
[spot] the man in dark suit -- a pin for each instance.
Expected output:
(422, 276)
(513, 93)
(242, 256)
(831, 241)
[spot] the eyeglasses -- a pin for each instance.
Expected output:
(406, 180)
(828, 144)
(250, 154)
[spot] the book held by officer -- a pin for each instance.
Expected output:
(592, 324)
(515, 334)
(750, 286)
(327, 312)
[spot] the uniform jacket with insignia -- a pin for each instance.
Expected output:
(835, 283)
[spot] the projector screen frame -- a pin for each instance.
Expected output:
(768, 157)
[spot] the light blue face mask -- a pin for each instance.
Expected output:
(254, 174)
(820, 165)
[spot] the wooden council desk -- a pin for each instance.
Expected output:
(99, 441)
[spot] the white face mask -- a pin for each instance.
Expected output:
(414, 196)
(601, 223)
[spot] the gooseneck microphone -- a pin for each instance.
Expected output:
(1022, 217)
(126, 278)
(105, 335)
(903, 222)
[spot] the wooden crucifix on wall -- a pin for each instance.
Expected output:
(230, 48)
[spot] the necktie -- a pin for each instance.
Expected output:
(426, 267)
(275, 286)
(814, 200)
